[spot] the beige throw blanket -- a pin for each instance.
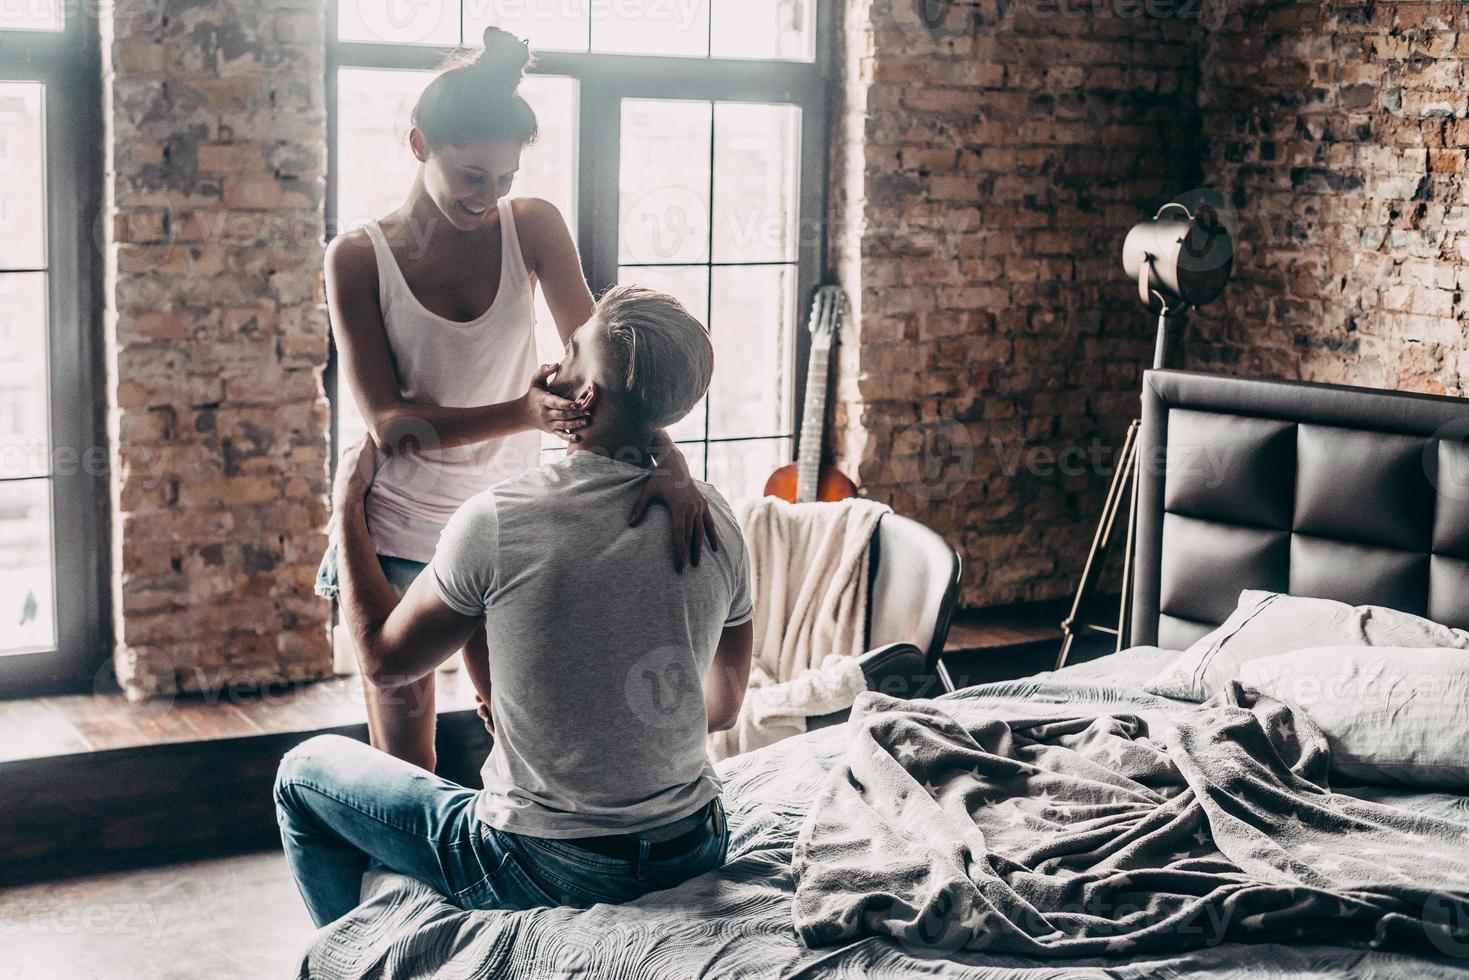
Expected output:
(809, 569)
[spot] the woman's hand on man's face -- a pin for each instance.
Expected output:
(551, 413)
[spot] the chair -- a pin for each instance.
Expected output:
(912, 591)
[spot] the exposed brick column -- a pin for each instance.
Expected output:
(1339, 130)
(216, 336)
(985, 172)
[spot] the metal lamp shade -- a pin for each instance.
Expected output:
(1188, 258)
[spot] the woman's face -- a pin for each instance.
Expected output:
(466, 181)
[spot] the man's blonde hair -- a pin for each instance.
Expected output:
(661, 355)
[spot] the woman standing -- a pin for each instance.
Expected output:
(432, 312)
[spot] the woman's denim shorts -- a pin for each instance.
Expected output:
(400, 572)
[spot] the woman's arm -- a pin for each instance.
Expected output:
(552, 256)
(673, 484)
(367, 364)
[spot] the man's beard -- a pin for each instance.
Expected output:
(562, 389)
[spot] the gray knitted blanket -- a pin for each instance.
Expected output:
(1053, 830)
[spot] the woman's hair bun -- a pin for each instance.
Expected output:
(504, 60)
(475, 97)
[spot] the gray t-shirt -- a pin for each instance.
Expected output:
(598, 647)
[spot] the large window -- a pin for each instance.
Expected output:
(684, 140)
(50, 463)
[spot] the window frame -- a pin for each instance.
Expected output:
(68, 64)
(604, 80)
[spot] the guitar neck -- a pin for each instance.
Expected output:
(813, 423)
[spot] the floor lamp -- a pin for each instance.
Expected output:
(1179, 259)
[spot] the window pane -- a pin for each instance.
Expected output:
(756, 194)
(664, 183)
(548, 166)
(22, 187)
(752, 317)
(31, 15)
(24, 422)
(781, 29)
(689, 285)
(696, 458)
(739, 469)
(375, 168)
(672, 27)
(399, 21)
(552, 25)
(27, 596)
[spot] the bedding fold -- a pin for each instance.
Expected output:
(1055, 829)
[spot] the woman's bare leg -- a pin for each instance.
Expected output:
(400, 720)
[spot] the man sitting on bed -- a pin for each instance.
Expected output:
(607, 667)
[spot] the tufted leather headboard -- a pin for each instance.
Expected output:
(1343, 493)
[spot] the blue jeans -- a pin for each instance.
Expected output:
(400, 572)
(343, 805)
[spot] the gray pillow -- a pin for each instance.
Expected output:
(1266, 624)
(1390, 714)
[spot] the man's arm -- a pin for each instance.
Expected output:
(396, 641)
(729, 676)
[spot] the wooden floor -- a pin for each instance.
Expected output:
(1004, 626)
(227, 918)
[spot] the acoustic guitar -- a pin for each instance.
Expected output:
(809, 477)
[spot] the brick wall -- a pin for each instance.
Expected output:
(985, 168)
(1339, 131)
(216, 336)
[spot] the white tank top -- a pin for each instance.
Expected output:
(439, 361)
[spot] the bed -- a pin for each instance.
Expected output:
(1279, 508)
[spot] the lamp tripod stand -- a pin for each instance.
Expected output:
(1123, 488)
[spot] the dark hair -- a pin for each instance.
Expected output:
(476, 99)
